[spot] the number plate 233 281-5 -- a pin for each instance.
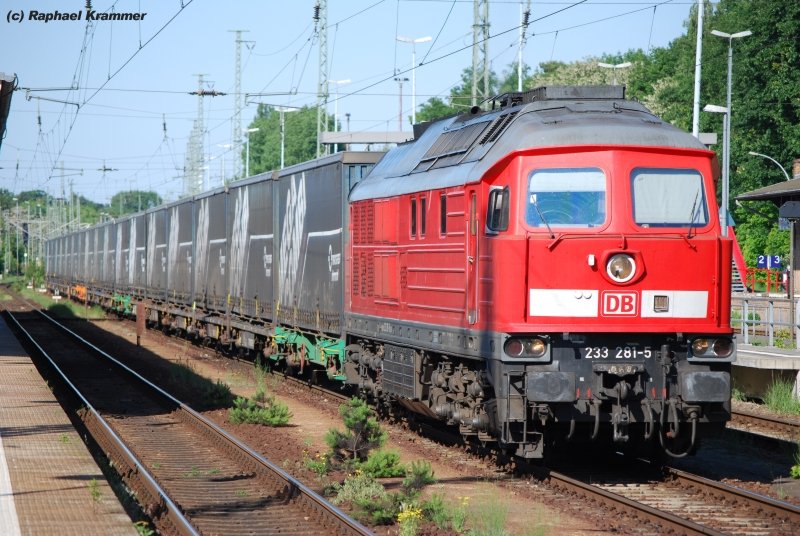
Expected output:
(619, 352)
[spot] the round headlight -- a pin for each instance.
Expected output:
(513, 347)
(621, 267)
(537, 348)
(723, 347)
(699, 347)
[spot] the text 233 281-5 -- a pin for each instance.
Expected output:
(620, 352)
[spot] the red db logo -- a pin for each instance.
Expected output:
(619, 303)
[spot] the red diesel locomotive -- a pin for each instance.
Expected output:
(552, 269)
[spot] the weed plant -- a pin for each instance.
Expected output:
(418, 476)
(273, 413)
(383, 464)
(780, 397)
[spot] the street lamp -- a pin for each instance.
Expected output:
(727, 141)
(247, 150)
(614, 67)
(785, 173)
(726, 146)
(16, 227)
(413, 42)
(337, 83)
(282, 110)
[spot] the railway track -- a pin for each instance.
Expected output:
(784, 427)
(189, 475)
(678, 501)
(670, 500)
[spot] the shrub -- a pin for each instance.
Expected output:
(383, 464)
(418, 476)
(363, 433)
(368, 498)
(274, 413)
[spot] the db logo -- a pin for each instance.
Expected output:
(619, 303)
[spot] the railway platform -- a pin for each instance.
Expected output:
(756, 367)
(49, 482)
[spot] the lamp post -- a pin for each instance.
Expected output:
(413, 42)
(723, 209)
(727, 140)
(792, 231)
(614, 67)
(400, 80)
(247, 150)
(785, 173)
(282, 110)
(337, 83)
(16, 227)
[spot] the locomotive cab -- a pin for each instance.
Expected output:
(625, 325)
(578, 287)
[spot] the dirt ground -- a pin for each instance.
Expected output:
(482, 487)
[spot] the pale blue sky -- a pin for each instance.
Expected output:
(121, 125)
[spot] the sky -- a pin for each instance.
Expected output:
(126, 121)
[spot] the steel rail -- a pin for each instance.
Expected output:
(771, 423)
(661, 518)
(295, 488)
(159, 499)
(781, 509)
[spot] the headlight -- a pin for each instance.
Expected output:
(533, 347)
(712, 348)
(621, 267)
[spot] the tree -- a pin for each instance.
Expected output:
(300, 133)
(460, 99)
(362, 435)
(133, 201)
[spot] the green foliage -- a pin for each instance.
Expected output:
(133, 201)
(780, 397)
(362, 434)
(300, 137)
(383, 464)
(319, 464)
(210, 394)
(368, 498)
(795, 469)
(273, 413)
(738, 394)
(409, 519)
(143, 528)
(435, 509)
(418, 476)
(488, 518)
(460, 99)
(94, 490)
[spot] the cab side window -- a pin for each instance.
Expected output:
(497, 211)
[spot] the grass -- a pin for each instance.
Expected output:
(63, 308)
(273, 413)
(94, 490)
(780, 397)
(210, 394)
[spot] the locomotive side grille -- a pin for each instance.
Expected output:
(497, 128)
(356, 274)
(398, 371)
(455, 141)
(356, 224)
(370, 276)
(368, 224)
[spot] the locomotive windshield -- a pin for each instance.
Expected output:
(668, 198)
(566, 197)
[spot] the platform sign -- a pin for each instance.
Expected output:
(769, 261)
